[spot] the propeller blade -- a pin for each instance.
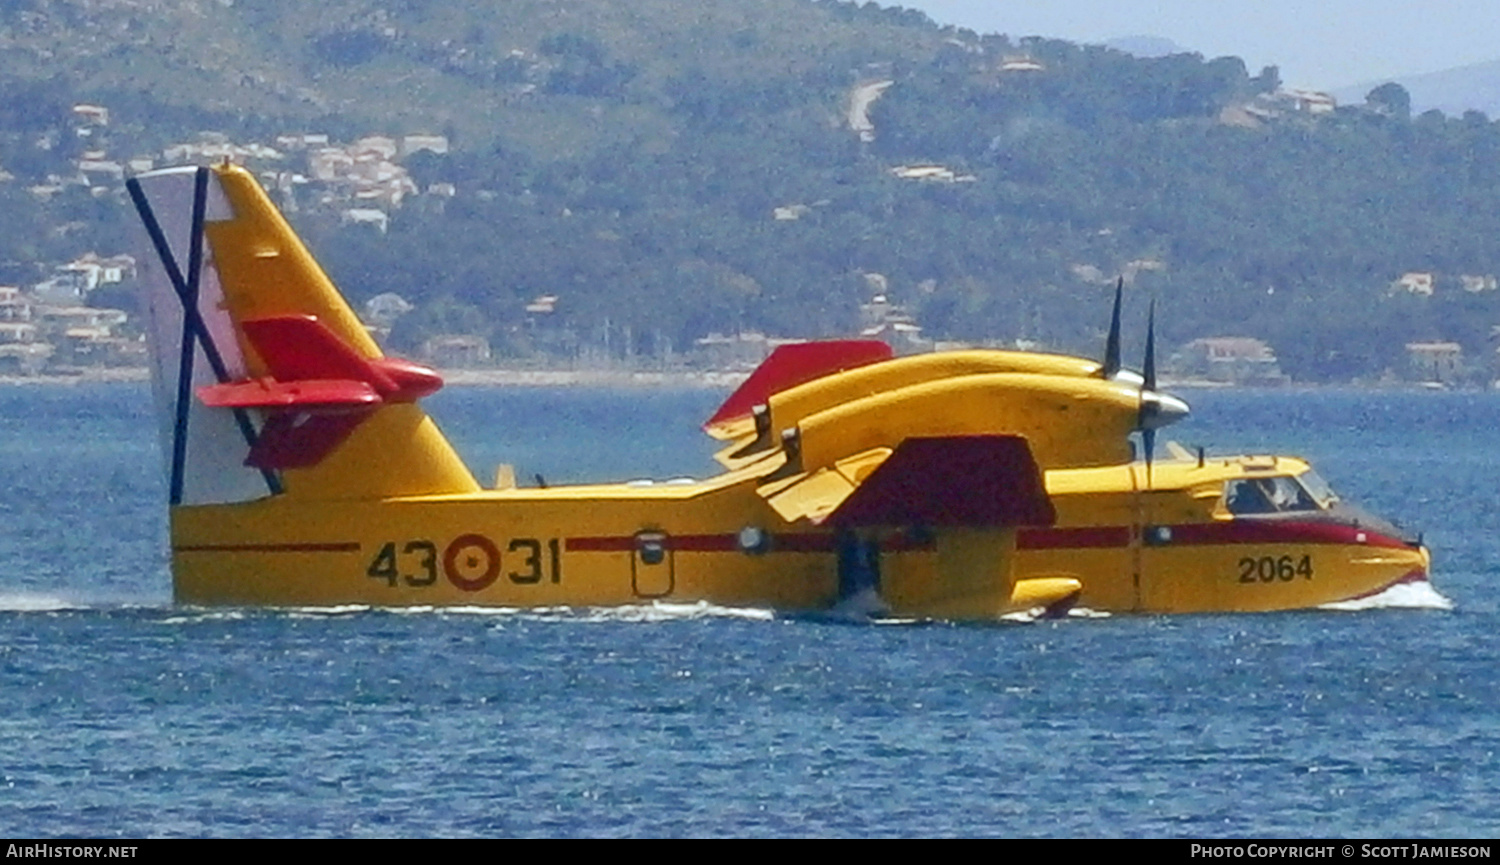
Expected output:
(1112, 343)
(1148, 411)
(1148, 369)
(1148, 444)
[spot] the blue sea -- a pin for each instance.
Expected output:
(123, 715)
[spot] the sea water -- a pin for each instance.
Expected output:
(122, 715)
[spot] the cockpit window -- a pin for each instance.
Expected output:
(1318, 488)
(1272, 495)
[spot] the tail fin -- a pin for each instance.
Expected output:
(266, 383)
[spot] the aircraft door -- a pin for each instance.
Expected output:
(652, 566)
(1175, 568)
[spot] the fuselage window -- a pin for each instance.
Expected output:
(1247, 497)
(1267, 496)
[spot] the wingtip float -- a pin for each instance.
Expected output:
(302, 471)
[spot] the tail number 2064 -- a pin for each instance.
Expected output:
(1270, 569)
(470, 562)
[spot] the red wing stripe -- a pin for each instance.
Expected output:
(788, 543)
(346, 547)
(599, 545)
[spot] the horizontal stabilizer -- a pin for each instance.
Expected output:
(307, 395)
(301, 348)
(319, 389)
(954, 481)
(794, 364)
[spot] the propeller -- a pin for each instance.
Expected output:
(1157, 409)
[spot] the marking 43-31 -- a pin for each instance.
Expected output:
(470, 562)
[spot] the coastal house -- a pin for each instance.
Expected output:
(1021, 63)
(327, 164)
(21, 350)
(301, 141)
(1414, 282)
(543, 304)
(216, 147)
(14, 307)
(365, 216)
(1434, 361)
(1477, 284)
(72, 282)
(91, 115)
(101, 170)
(1238, 360)
(456, 351)
(1269, 106)
(1309, 101)
(412, 144)
(381, 146)
(931, 173)
(57, 320)
(883, 320)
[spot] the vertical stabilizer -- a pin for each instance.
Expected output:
(218, 256)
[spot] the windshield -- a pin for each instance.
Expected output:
(1268, 496)
(1318, 488)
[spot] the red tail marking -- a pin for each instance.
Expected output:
(300, 348)
(799, 363)
(296, 441)
(973, 481)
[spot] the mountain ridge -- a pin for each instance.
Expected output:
(665, 171)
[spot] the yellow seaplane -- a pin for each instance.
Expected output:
(302, 471)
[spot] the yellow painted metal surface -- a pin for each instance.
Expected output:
(1203, 564)
(392, 517)
(266, 271)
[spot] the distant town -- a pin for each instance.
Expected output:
(57, 326)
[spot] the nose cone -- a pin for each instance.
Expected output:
(1159, 410)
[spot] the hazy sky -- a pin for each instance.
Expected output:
(1323, 44)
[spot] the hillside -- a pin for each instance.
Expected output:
(1475, 87)
(627, 180)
